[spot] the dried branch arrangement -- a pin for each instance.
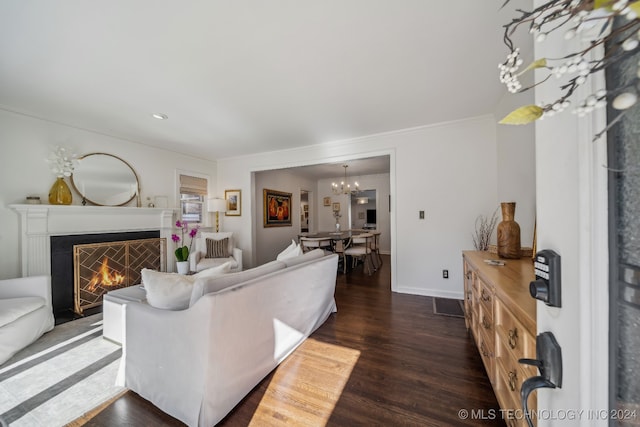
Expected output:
(484, 230)
(575, 17)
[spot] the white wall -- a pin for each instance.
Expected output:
(448, 170)
(25, 144)
(516, 165)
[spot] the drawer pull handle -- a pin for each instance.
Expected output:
(513, 380)
(483, 350)
(468, 274)
(513, 338)
(484, 297)
(485, 323)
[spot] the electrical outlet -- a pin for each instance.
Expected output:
(445, 274)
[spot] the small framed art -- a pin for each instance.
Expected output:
(234, 202)
(326, 201)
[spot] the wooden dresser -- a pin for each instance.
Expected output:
(501, 315)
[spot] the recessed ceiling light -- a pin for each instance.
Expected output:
(159, 116)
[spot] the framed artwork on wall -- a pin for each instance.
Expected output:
(234, 202)
(336, 206)
(326, 201)
(276, 208)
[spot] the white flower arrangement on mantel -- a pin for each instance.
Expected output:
(575, 17)
(62, 161)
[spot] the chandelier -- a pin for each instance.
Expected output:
(344, 187)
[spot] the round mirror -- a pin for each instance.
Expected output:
(105, 180)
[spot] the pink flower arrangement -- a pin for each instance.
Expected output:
(182, 252)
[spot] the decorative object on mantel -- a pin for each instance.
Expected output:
(60, 193)
(508, 232)
(182, 252)
(33, 200)
(484, 230)
(106, 180)
(161, 201)
(575, 17)
(62, 162)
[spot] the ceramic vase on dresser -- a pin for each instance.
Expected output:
(508, 232)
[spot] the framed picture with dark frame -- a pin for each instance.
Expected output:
(276, 208)
(234, 202)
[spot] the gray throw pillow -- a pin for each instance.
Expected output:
(217, 248)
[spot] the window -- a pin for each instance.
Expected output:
(193, 192)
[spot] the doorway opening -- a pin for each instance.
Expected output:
(305, 211)
(363, 210)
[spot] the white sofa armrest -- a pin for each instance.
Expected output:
(38, 286)
(163, 347)
(194, 259)
(237, 255)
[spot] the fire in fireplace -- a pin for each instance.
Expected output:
(105, 277)
(105, 266)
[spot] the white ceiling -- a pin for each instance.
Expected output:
(241, 77)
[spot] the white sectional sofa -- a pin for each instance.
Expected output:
(196, 364)
(25, 313)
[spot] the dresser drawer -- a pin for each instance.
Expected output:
(486, 297)
(486, 346)
(516, 339)
(510, 374)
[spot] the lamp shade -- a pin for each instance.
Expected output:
(217, 205)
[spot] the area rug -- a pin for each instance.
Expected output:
(448, 307)
(66, 373)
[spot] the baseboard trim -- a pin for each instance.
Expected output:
(431, 292)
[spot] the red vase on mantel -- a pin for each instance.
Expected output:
(508, 233)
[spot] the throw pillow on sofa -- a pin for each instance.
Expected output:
(293, 250)
(172, 291)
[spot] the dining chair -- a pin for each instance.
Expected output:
(375, 248)
(310, 243)
(360, 249)
(339, 247)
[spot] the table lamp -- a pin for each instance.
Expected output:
(217, 206)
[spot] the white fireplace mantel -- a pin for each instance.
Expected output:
(39, 222)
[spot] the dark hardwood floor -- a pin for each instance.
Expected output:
(383, 359)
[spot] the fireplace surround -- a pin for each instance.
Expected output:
(39, 223)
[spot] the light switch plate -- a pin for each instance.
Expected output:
(421, 214)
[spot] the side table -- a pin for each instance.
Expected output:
(112, 310)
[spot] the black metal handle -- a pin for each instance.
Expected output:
(527, 387)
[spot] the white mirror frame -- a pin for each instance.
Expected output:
(105, 180)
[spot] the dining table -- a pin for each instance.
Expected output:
(333, 235)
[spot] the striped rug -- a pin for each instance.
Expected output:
(66, 373)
